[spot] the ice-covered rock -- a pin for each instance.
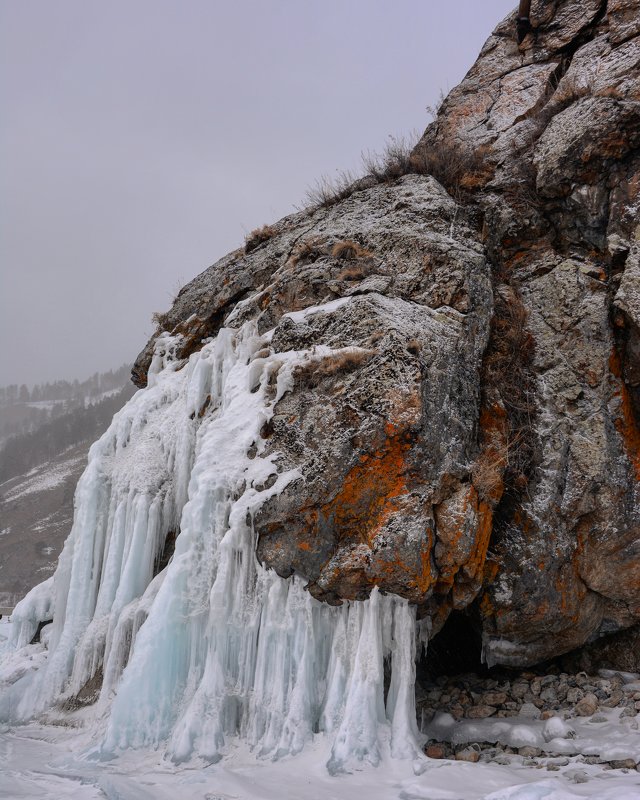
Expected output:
(387, 408)
(212, 645)
(36, 607)
(557, 728)
(491, 403)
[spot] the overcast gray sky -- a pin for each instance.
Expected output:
(141, 139)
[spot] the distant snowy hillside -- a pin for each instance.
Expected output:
(24, 409)
(52, 428)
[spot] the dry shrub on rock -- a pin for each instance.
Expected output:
(328, 192)
(353, 273)
(487, 473)
(348, 250)
(258, 237)
(315, 371)
(394, 162)
(459, 168)
(507, 372)
(160, 320)
(309, 250)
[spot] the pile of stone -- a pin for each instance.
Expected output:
(530, 696)
(531, 756)
(534, 696)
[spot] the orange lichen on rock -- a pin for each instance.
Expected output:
(490, 570)
(464, 524)
(370, 492)
(474, 565)
(364, 516)
(473, 569)
(625, 422)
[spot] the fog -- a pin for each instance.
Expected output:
(142, 140)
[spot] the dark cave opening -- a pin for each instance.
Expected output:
(455, 650)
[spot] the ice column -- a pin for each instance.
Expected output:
(215, 646)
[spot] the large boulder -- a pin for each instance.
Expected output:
(560, 126)
(392, 292)
(467, 429)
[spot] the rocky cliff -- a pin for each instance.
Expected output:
(467, 431)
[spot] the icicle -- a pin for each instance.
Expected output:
(401, 702)
(215, 646)
(357, 738)
(36, 607)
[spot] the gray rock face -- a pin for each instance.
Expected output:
(382, 422)
(468, 428)
(379, 424)
(561, 214)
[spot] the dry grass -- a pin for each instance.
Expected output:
(394, 161)
(354, 273)
(375, 337)
(507, 371)
(434, 110)
(161, 320)
(348, 250)
(611, 91)
(460, 169)
(500, 465)
(521, 194)
(327, 192)
(308, 251)
(258, 237)
(314, 372)
(487, 475)
(311, 250)
(511, 343)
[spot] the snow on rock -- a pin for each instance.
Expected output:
(608, 736)
(214, 646)
(557, 728)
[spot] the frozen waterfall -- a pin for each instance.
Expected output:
(214, 646)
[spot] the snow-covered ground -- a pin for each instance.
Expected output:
(44, 477)
(55, 762)
(48, 762)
